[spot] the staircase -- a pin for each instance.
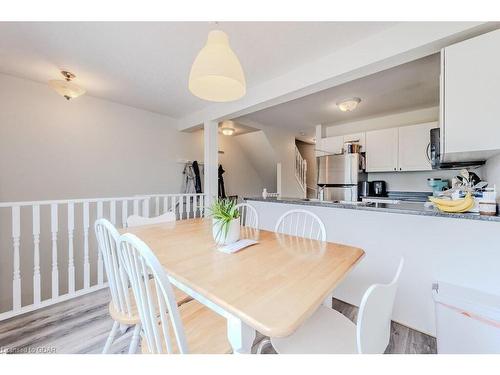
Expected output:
(301, 171)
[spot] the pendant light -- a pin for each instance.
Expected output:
(65, 87)
(216, 74)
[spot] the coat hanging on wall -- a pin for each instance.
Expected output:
(197, 179)
(222, 191)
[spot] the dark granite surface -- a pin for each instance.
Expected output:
(409, 208)
(409, 196)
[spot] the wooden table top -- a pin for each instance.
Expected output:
(273, 286)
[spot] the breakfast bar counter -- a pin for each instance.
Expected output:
(437, 247)
(409, 208)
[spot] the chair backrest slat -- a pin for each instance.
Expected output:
(375, 313)
(248, 214)
(295, 222)
(107, 240)
(154, 295)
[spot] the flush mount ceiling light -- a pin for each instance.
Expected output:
(348, 105)
(216, 74)
(67, 88)
(227, 128)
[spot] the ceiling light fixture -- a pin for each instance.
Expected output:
(227, 128)
(216, 74)
(348, 105)
(67, 88)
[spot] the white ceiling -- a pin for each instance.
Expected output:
(405, 87)
(146, 65)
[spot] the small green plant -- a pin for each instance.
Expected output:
(223, 212)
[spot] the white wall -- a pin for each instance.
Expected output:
(240, 178)
(53, 149)
(492, 172)
(399, 181)
(383, 122)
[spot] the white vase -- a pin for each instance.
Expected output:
(233, 233)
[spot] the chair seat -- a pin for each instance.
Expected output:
(326, 332)
(133, 318)
(206, 331)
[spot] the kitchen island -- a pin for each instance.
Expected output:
(462, 249)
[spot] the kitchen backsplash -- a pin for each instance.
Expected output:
(415, 181)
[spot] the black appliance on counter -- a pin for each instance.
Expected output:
(365, 189)
(434, 154)
(379, 189)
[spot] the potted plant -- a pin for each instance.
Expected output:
(226, 221)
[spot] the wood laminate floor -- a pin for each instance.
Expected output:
(83, 324)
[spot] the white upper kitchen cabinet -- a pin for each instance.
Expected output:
(332, 145)
(470, 109)
(382, 150)
(413, 147)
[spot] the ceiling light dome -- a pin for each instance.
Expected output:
(348, 105)
(67, 88)
(227, 127)
(216, 74)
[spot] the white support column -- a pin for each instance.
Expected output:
(211, 160)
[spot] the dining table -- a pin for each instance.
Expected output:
(271, 287)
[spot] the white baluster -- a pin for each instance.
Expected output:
(124, 213)
(71, 260)
(202, 206)
(181, 207)
(172, 205)
(36, 255)
(112, 212)
(145, 207)
(100, 265)
(136, 207)
(55, 271)
(86, 259)
(188, 206)
(165, 204)
(157, 206)
(16, 276)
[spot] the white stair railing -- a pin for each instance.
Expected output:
(48, 250)
(301, 171)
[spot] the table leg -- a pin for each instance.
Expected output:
(240, 335)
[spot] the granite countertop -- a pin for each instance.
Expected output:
(409, 208)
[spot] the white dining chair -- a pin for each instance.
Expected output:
(167, 217)
(330, 332)
(136, 220)
(121, 307)
(167, 328)
(301, 223)
(248, 214)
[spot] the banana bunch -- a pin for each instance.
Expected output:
(457, 205)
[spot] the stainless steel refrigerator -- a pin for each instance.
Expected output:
(339, 175)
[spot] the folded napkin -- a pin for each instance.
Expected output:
(237, 246)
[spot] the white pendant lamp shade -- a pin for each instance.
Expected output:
(67, 88)
(216, 74)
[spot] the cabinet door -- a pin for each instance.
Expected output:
(413, 147)
(357, 138)
(333, 145)
(471, 83)
(382, 150)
